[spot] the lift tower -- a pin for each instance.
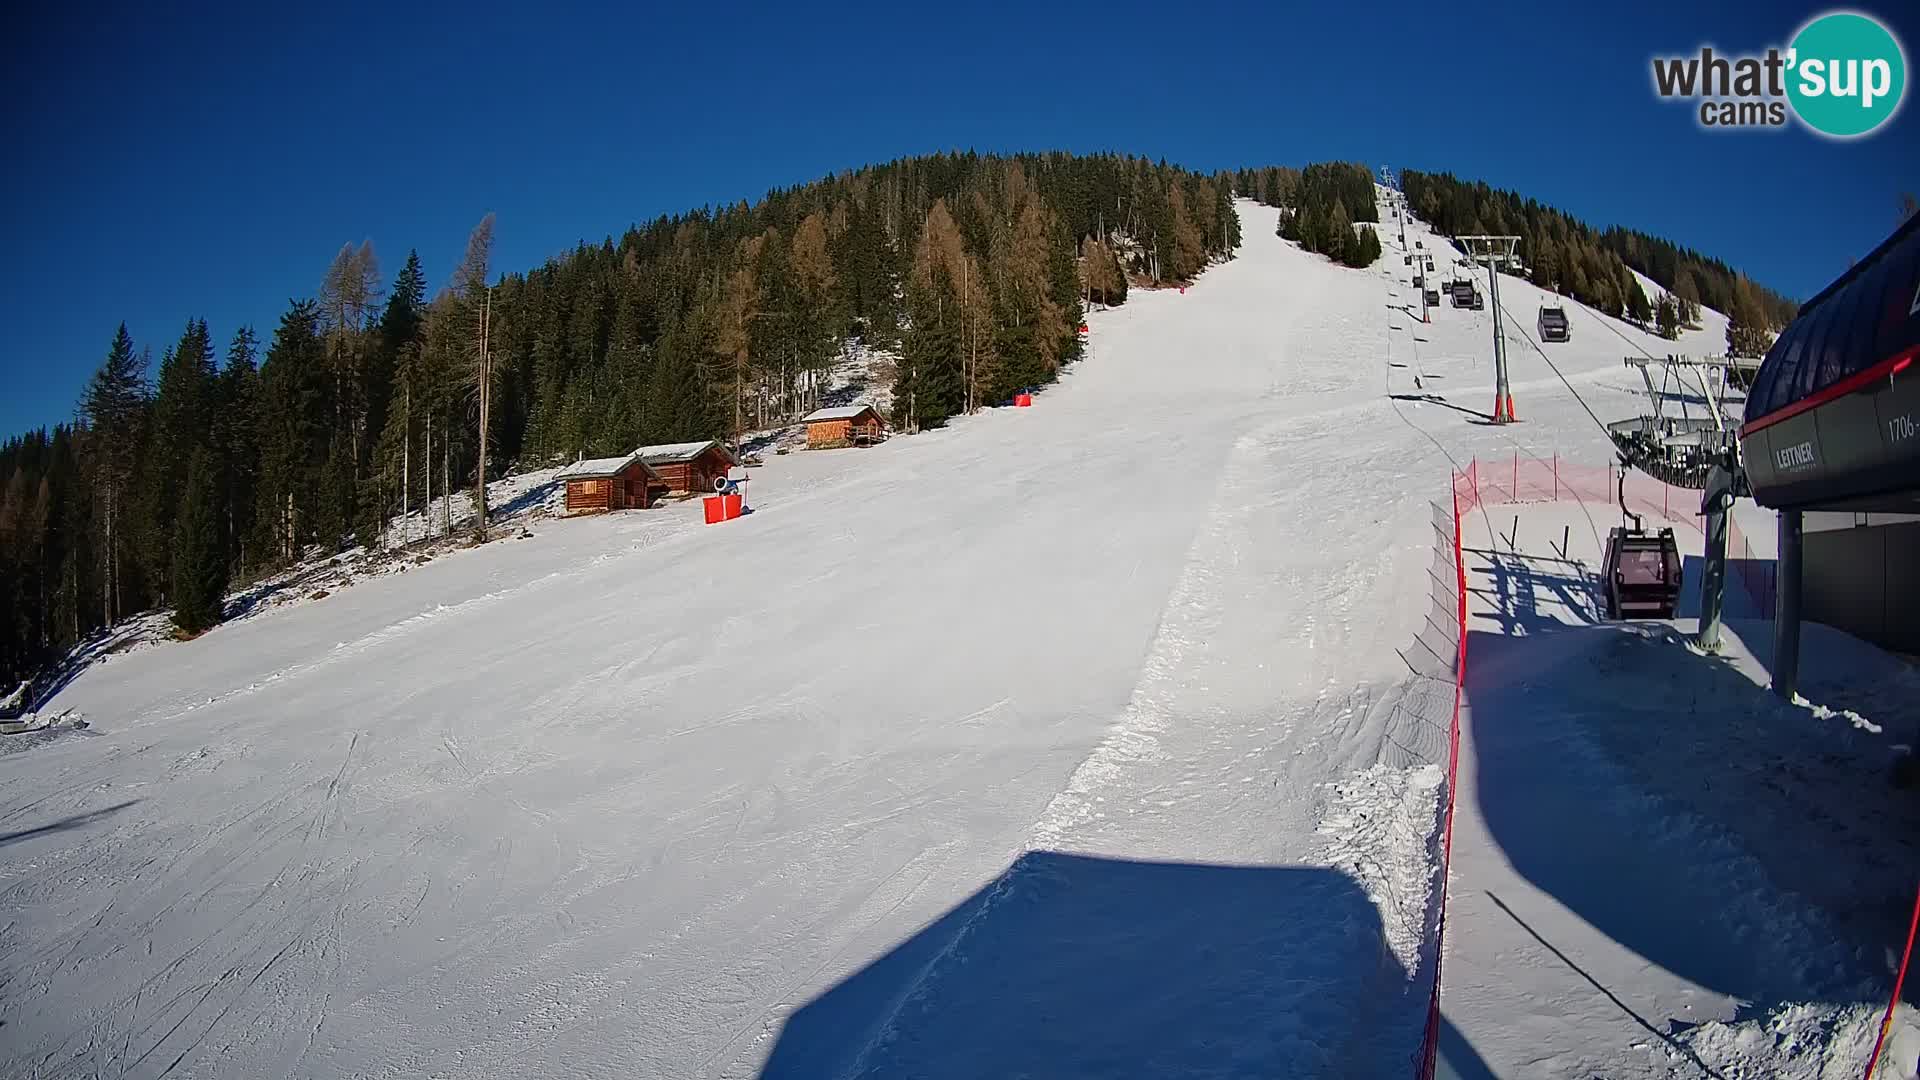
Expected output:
(1495, 251)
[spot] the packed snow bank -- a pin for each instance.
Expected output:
(1804, 1042)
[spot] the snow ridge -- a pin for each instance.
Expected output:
(1376, 828)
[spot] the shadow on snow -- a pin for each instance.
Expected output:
(1070, 965)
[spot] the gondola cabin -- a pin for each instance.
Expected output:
(850, 425)
(602, 484)
(689, 467)
(1553, 324)
(1642, 572)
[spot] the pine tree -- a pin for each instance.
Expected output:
(934, 352)
(1064, 284)
(1747, 331)
(1638, 309)
(349, 292)
(1546, 264)
(1189, 250)
(1687, 293)
(236, 442)
(818, 317)
(114, 409)
(292, 430)
(199, 565)
(1666, 316)
(1363, 249)
(183, 407)
(1106, 282)
(1339, 239)
(468, 328)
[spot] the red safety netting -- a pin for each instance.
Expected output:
(1449, 587)
(1528, 480)
(1522, 479)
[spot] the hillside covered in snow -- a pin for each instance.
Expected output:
(1081, 739)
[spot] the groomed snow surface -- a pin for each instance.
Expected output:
(1084, 739)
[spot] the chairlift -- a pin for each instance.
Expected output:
(1642, 569)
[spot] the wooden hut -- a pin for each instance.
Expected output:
(603, 484)
(689, 467)
(849, 425)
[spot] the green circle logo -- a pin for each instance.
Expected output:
(1846, 74)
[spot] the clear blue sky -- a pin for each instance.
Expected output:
(162, 167)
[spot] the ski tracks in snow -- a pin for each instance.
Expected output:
(1263, 708)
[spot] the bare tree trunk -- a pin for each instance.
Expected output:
(426, 511)
(446, 479)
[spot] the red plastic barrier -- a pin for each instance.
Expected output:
(716, 507)
(1022, 400)
(1524, 480)
(733, 504)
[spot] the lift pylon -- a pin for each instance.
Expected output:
(1496, 251)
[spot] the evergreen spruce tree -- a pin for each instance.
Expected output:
(199, 565)
(1063, 274)
(182, 421)
(1748, 333)
(114, 409)
(933, 349)
(236, 444)
(1339, 239)
(1666, 316)
(292, 431)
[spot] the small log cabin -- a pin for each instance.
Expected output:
(849, 425)
(604, 484)
(688, 467)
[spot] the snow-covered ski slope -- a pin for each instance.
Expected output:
(1071, 740)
